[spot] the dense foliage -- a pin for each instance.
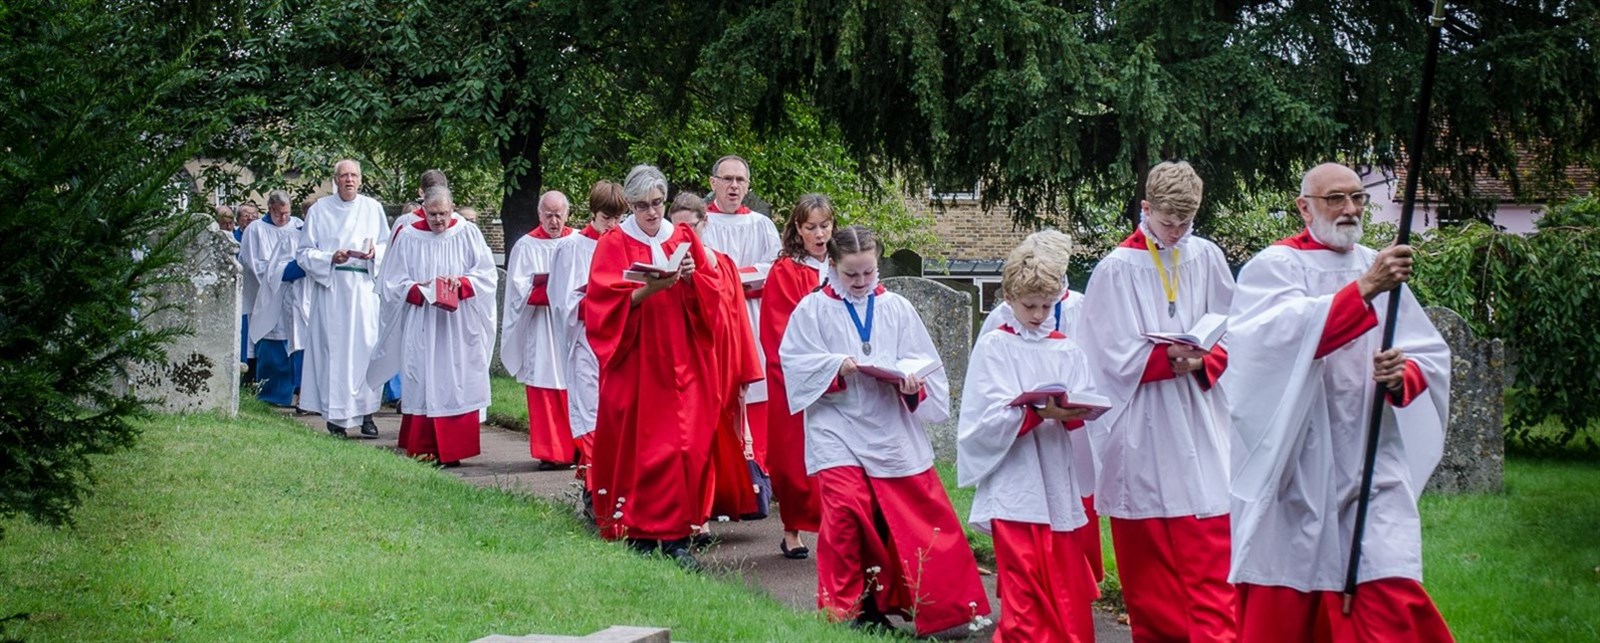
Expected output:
(85, 224)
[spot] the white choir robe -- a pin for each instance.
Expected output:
(528, 347)
(1032, 478)
(569, 276)
(865, 425)
(405, 219)
(1163, 446)
(249, 286)
(344, 307)
(279, 312)
(442, 356)
(1300, 426)
(751, 240)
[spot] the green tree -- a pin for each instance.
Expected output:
(86, 222)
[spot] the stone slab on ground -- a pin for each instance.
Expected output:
(613, 634)
(746, 552)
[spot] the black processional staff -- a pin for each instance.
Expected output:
(1419, 141)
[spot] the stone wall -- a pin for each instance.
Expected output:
(1474, 449)
(948, 315)
(201, 370)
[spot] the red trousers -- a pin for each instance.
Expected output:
(1046, 586)
(899, 539)
(1175, 578)
(756, 415)
(795, 491)
(549, 430)
(450, 439)
(1387, 609)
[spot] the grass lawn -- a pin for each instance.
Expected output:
(257, 529)
(508, 403)
(1519, 566)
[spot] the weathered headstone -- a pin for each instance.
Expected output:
(201, 370)
(902, 263)
(1474, 448)
(495, 367)
(948, 315)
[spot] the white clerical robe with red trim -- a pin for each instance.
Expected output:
(528, 346)
(569, 279)
(751, 240)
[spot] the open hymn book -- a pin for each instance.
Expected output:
(640, 270)
(899, 370)
(754, 277)
(1097, 404)
(1203, 335)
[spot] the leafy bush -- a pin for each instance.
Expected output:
(85, 224)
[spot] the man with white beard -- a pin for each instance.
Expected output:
(343, 245)
(278, 327)
(1304, 367)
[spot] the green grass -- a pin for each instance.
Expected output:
(257, 529)
(508, 403)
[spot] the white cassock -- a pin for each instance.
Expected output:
(1300, 425)
(402, 221)
(865, 425)
(442, 356)
(344, 307)
(1163, 447)
(528, 346)
(1033, 478)
(569, 274)
(751, 240)
(249, 286)
(280, 308)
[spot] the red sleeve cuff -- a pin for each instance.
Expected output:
(1030, 420)
(1216, 362)
(1413, 383)
(837, 385)
(539, 297)
(1075, 425)
(465, 291)
(414, 296)
(1349, 317)
(1158, 367)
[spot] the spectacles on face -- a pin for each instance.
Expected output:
(439, 215)
(1340, 199)
(734, 179)
(647, 206)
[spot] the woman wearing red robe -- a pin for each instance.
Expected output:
(798, 271)
(654, 429)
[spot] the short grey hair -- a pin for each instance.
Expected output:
(641, 180)
(438, 194)
(278, 197)
(717, 165)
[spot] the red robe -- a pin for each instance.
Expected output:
(653, 436)
(737, 364)
(795, 491)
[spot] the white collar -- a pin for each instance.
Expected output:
(844, 291)
(632, 229)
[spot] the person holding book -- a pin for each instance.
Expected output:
(1021, 455)
(438, 287)
(569, 280)
(528, 347)
(801, 269)
(889, 542)
(1306, 346)
(651, 314)
(279, 331)
(732, 493)
(751, 239)
(341, 250)
(1163, 448)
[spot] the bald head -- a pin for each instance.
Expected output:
(347, 179)
(1331, 202)
(553, 210)
(1321, 175)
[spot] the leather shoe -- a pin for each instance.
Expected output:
(798, 553)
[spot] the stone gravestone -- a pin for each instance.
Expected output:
(495, 367)
(201, 369)
(1474, 448)
(902, 263)
(948, 315)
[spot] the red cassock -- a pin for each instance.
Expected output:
(737, 365)
(449, 439)
(654, 431)
(795, 491)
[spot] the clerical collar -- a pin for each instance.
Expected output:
(844, 291)
(814, 263)
(1305, 240)
(828, 289)
(631, 228)
(1031, 334)
(1144, 228)
(422, 224)
(711, 208)
(539, 232)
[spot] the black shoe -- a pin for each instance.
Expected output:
(871, 618)
(554, 466)
(702, 541)
(337, 431)
(588, 508)
(369, 429)
(678, 551)
(798, 553)
(643, 546)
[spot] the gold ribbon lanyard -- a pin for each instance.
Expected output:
(1169, 286)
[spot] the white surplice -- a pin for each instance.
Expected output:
(750, 239)
(442, 356)
(569, 275)
(344, 307)
(528, 346)
(1300, 425)
(279, 312)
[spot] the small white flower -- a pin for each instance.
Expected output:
(874, 569)
(621, 500)
(973, 604)
(617, 516)
(722, 519)
(936, 530)
(601, 492)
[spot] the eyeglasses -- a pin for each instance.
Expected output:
(436, 214)
(734, 179)
(645, 206)
(1339, 199)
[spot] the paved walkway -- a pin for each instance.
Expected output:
(746, 551)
